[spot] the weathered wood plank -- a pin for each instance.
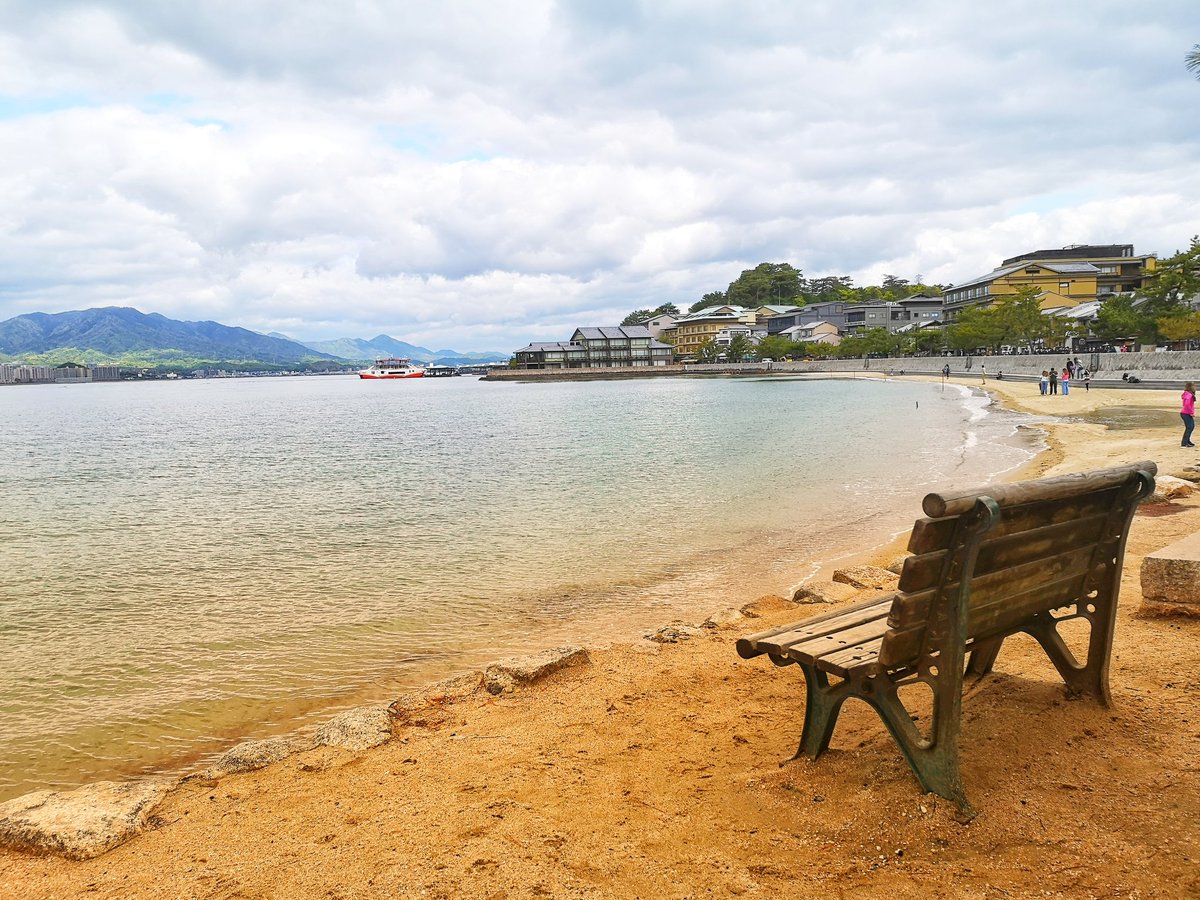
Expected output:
(810, 649)
(835, 620)
(845, 661)
(1009, 550)
(911, 609)
(939, 505)
(902, 646)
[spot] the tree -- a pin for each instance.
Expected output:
(831, 287)
(1118, 318)
(739, 348)
(1019, 317)
(638, 316)
(1175, 281)
(708, 351)
(766, 283)
(1192, 60)
(976, 328)
(1180, 328)
(776, 346)
(712, 298)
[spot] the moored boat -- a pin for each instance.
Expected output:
(392, 368)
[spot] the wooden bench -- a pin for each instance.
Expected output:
(986, 564)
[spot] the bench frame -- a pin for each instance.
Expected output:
(934, 759)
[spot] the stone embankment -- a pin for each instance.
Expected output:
(1152, 370)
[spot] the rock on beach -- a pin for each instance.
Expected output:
(81, 823)
(508, 674)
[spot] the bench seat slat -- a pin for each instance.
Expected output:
(811, 649)
(860, 656)
(877, 608)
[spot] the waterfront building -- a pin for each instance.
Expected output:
(694, 329)
(597, 348)
(1065, 277)
(832, 311)
(752, 333)
(813, 333)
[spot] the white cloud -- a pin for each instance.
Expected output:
(480, 175)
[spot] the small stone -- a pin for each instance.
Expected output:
(823, 592)
(1167, 487)
(250, 755)
(897, 564)
(867, 577)
(673, 633)
(724, 617)
(508, 674)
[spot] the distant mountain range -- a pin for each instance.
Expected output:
(382, 345)
(128, 337)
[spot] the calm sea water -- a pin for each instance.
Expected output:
(185, 564)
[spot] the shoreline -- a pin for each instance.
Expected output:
(1073, 445)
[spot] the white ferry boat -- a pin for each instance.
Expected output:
(392, 368)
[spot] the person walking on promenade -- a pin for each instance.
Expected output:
(1044, 383)
(1066, 381)
(1188, 413)
(1053, 382)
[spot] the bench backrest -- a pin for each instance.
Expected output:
(1023, 548)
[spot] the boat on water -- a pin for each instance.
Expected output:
(392, 367)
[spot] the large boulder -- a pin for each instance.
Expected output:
(81, 823)
(508, 674)
(356, 729)
(1171, 579)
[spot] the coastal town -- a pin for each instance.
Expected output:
(1063, 292)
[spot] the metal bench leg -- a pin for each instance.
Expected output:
(933, 760)
(1090, 678)
(821, 708)
(983, 656)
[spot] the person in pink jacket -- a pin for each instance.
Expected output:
(1188, 413)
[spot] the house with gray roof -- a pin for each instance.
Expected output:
(603, 347)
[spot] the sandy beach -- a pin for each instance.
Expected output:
(664, 770)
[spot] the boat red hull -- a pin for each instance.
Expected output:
(382, 377)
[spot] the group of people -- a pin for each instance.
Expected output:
(1072, 371)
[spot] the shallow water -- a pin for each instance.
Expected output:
(189, 563)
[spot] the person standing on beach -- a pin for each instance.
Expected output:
(1053, 382)
(1044, 382)
(1066, 381)
(946, 370)
(1188, 413)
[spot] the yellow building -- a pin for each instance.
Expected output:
(691, 331)
(1064, 278)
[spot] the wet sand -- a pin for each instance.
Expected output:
(663, 771)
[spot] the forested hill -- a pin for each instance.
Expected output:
(117, 332)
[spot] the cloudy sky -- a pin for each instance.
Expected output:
(476, 175)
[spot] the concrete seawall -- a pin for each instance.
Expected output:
(1153, 370)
